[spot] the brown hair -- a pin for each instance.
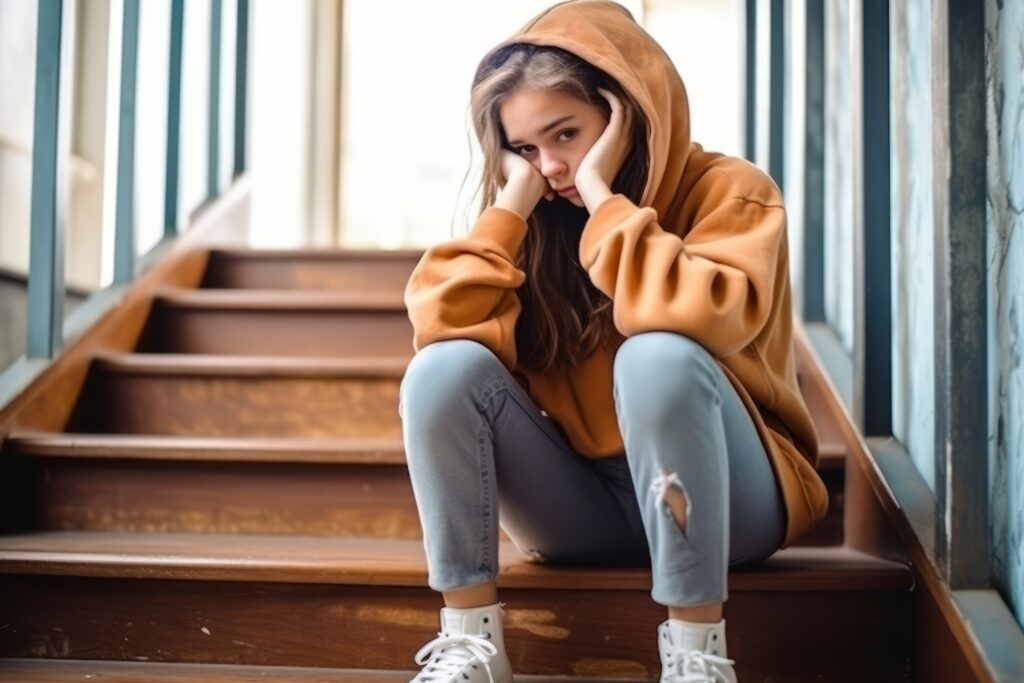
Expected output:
(564, 318)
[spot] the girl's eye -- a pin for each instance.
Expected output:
(526, 149)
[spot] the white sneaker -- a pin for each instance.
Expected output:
(694, 653)
(469, 649)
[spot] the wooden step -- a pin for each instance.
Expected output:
(113, 482)
(76, 670)
(364, 603)
(223, 396)
(205, 449)
(350, 270)
(336, 487)
(279, 323)
(832, 470)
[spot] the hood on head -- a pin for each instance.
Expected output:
(605, 34)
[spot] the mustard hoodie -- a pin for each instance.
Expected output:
(705, 255)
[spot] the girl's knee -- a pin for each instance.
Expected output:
(653, 353)
(659, 373)
(447, 367)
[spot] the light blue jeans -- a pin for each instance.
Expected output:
(477, 444)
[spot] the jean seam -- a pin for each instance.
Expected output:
(487, 397)
(492, 389)
(486, 561)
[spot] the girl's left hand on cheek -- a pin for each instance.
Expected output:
(603, 161)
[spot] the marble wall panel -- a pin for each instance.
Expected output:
(913, 357)
(839, 168)
(1005, 232)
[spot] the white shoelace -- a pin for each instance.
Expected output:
(453, 653)
(696, 667)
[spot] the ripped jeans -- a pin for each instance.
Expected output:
(476, 443)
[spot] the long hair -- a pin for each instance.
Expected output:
(564, 317)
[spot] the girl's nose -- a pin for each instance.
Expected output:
(551, 167)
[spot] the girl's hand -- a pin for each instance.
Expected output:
(523, 185)
(606, 157)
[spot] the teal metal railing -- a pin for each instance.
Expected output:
(50, 149)
(956, 529)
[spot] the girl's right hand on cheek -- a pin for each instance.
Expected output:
(524, 184)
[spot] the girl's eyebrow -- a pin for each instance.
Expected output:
(546, 128)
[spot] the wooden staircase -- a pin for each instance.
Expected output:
(210, 485)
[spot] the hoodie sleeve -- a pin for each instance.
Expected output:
(465, 288)
(714, 285)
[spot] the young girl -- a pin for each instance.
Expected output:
(606, 359)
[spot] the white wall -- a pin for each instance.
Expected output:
(280, 116)
(17, 83)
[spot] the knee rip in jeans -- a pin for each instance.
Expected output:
(670, 494)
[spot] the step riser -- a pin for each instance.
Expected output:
(316, 499)
(296, 272)
(235, 406)
(829, 531)
(248, 498)
(278, 333)
(546, 632)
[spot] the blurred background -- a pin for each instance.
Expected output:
(339, 116)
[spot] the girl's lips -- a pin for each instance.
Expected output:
(569, 192)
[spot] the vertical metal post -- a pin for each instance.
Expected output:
(50, 146)
(750, 81)
(875, 173)
(961, 345)
(241, 83)
(173, 119)
(814, 165)
(777, 92)
(213, 139)
(855, 55)
(124, 220)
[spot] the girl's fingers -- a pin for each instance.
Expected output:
(619, 116)
(612, 99)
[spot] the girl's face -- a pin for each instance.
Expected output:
(553, 132)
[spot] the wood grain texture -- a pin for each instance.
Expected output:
(374, 561)
(875, 524)
(311, 269)
(76, 670)
(260, 323)
(205, 449)
(319, 499)
(571, 632)
(338, 487)
(243, 499)
(47, 403)
(216, 397)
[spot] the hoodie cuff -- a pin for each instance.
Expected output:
(610, 213)
(500, 226)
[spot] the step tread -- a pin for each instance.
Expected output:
(62, 671)
(241, 449)
(395, 562)
(282, 299)
(325, 253)
(205, 449)
(193, 364)
(225, 449)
